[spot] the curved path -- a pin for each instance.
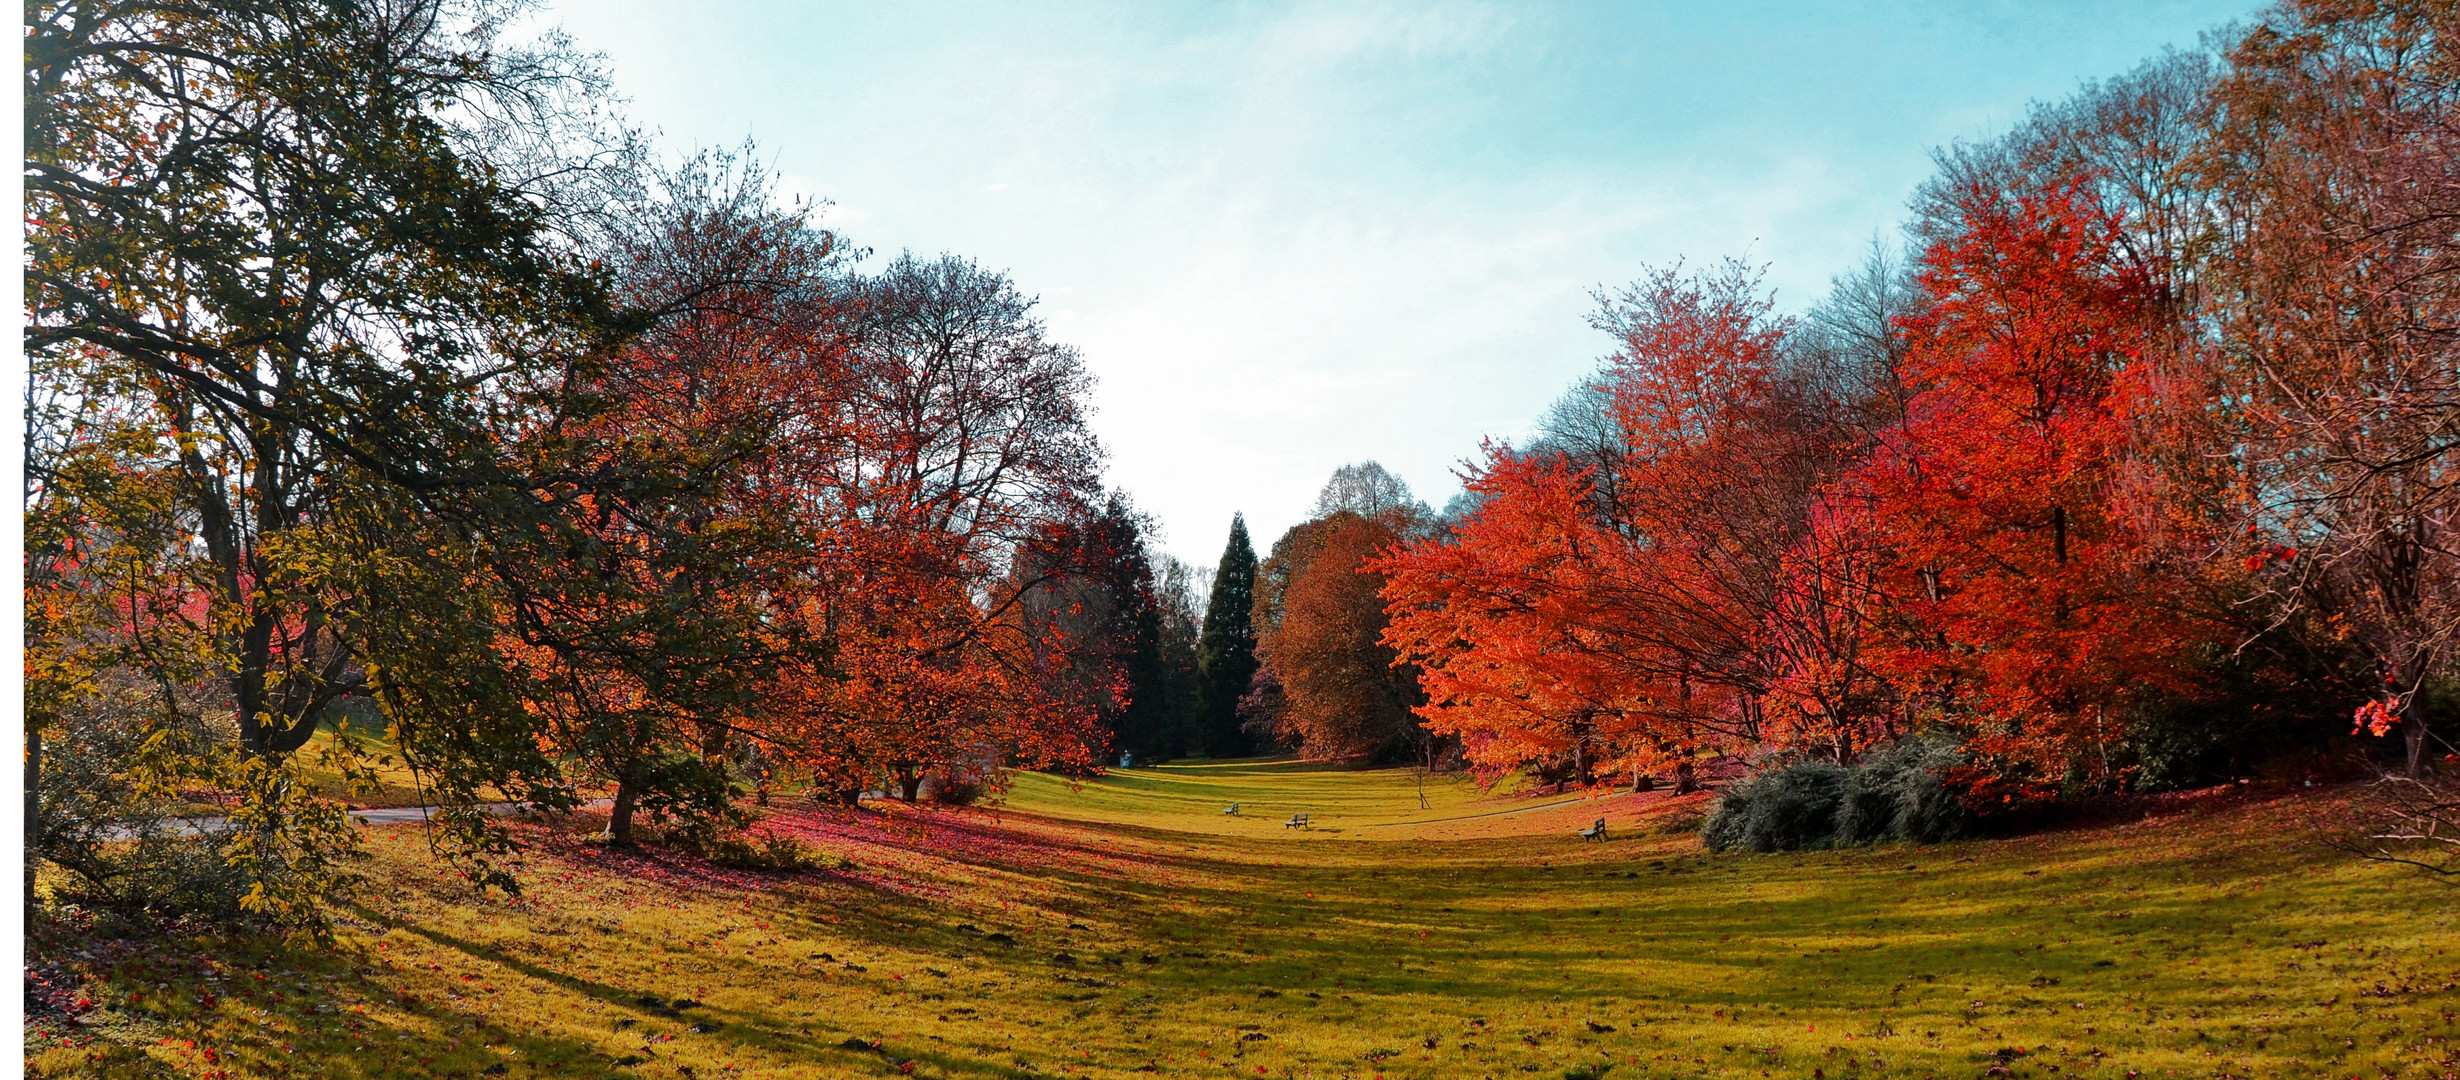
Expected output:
(381, 815)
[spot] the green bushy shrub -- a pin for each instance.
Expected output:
(1782, 809)
(1893, 793)
(155, 822)
(1896, 793)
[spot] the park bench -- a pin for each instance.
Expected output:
(1233, 808)
(1297, 821)
(1594, 832)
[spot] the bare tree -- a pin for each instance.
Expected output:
(2336, 149)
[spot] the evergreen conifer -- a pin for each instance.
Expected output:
(1226, 654)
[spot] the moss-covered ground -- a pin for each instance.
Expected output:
(1419, 928)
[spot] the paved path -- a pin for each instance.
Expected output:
(403, 815)
(381, 815)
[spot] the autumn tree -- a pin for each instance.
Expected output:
(1516, 661)
(652, 622)
(2032, 597)
(268, 233)
(1616, 594)
(2335, 160)
(959, 442)
(1099, 612)
(1338, 691)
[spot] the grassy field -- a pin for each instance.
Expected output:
(396, 785)
(1129, 927)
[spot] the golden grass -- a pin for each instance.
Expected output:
(1128, 927)
(396, 785)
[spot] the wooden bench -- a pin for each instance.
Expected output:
(1594, 832)
(1233, 808)
(1297, 821)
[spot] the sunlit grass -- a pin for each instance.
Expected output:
(320, 759)
(1129, 927)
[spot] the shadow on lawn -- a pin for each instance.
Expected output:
(746, 1029)
(1876, 936)
(1531, 947)
(218, 1004)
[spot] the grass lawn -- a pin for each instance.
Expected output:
(396, 785)
(1128, 927)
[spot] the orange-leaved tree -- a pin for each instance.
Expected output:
(1520, 652)
(1646, 601)
(2032, 605)
(1344, 692)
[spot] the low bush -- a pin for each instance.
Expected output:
(744, 849)
(1897, 792)
(121, 827)
(956, 791)
(1782, 809)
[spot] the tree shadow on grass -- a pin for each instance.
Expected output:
(232, 1003)
(746, 1030)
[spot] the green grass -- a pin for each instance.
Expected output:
(1392, 940)
(396, 785)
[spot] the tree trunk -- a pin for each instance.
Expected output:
(619, 819)
(2413, 729)
(1684, 781)
(909, 786)
(1642, 783)
(34, 805)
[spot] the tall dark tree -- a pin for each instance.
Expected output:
(1089, 604)
(1118, 568)
(1180, 600)
(1226, 654)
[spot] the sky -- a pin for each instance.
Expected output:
(1290, 236)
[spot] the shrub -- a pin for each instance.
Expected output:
(1897, 792)
(160, 873)
(957, 791)
(743, 849)
(115, 814)
(1902, 791)
(1781, 809)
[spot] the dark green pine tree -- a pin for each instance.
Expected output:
(1226, 654)
(1120, 567)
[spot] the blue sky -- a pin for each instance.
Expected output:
(1293, 235)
